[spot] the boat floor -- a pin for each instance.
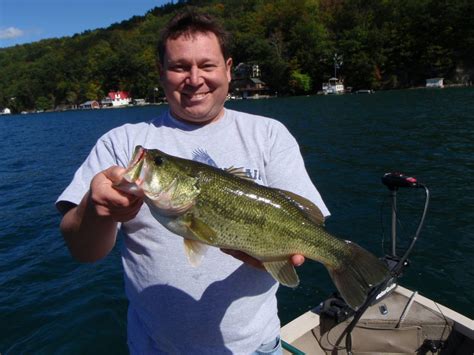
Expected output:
(402, 323)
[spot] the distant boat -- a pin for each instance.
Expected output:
(333, 86)
(365, 91)
(435, 83)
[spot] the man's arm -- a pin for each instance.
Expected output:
(90, 228)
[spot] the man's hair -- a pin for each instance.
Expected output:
(189, 23)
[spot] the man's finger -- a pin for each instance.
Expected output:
(297, 260)
(114, 173)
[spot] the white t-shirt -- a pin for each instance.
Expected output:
(223, 305)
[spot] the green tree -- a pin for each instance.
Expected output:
(44, 103)
(300, 83)
(384, 43)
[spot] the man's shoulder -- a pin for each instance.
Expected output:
(125, 131)
(255, 120)
(129, 128)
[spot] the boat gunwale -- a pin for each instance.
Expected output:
(310, 319)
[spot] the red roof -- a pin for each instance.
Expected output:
(114, 95)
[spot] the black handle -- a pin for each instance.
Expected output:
(396, 180)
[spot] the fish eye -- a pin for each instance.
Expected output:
(158, 161)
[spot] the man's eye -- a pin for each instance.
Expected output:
(208, 66)
(178, 68)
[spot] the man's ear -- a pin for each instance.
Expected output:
(228, 64)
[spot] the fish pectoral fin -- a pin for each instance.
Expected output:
(306, 205)
(195, 251)
(201, 230)
(283, 271)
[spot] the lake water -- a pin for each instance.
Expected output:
(52, 304)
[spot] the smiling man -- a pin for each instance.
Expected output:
(195, 76)
(227, 304)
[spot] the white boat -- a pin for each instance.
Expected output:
(365, 91)
(395, 320)
(403, 323)
(333, 86)
(435, 83)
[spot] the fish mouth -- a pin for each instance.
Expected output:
(138, 158)
(134, 176)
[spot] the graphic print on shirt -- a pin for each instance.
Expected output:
(202, 156)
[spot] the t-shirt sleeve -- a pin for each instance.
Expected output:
(285, 168)
(101, 157)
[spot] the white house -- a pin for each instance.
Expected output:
(89, 105)
(116, 99)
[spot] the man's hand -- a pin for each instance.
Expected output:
(296, 260)
(90, 228)
(107, 201)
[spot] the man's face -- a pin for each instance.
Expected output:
(196, 77)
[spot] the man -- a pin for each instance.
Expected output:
(224, 305)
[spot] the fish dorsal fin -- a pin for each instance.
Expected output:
(309, 207)
(239, 172)
(283, 271)
(194, 251)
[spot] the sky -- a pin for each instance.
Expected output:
(26, 21)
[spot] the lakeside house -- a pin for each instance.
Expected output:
(435, 83)
(116, 99)
(89, 105)
(246, 82)
(5, 111)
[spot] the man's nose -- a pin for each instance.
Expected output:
(195, 77)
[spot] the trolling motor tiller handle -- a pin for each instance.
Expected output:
(396, 180)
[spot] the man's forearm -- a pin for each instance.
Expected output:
(88, 236)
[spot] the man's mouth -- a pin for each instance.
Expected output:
(196, 97)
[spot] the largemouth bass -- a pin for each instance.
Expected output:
(213, 207)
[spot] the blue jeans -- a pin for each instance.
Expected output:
(271, 348)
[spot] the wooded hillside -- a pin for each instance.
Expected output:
(381, 44)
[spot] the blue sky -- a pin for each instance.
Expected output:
(25, 21)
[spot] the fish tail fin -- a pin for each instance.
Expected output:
(357, 274)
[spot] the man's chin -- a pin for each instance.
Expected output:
(197, 118)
